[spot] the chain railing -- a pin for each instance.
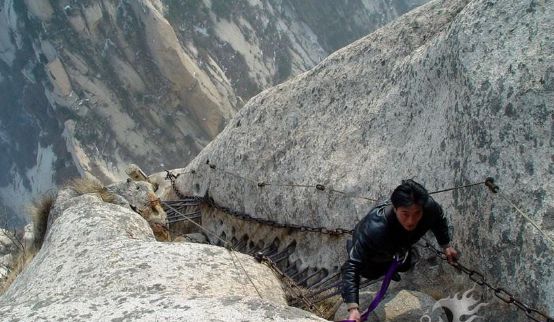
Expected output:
(499, 292)
(273, 223)
(267, 222)
(474, 275)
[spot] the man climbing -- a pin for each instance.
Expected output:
(386, 235)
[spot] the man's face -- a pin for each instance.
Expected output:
(409, 216)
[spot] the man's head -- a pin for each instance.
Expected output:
(408, 200)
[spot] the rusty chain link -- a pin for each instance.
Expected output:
(171, 177)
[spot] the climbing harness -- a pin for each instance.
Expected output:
(310, 300)
(381, 294)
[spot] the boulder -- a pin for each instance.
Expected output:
(59, 77)
(100, 261)
(196, 238)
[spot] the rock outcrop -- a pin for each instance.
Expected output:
(448, 94)
(90, 86)
(100, 261)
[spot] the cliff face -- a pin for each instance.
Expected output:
(448, 94)
(89, 86)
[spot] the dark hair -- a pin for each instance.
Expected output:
(409, 193)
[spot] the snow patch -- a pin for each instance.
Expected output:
(201, 30)
(7, 48)
(16, 196)
(42, 174)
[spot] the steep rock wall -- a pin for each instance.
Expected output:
(449, 94)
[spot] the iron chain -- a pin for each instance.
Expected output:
(474, 275)
(171, 177)
(499, 292)
(246, 217)
(272, 223)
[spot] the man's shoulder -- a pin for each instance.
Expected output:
(432, 206)
(374, 224)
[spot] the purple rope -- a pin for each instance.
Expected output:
(381, 294)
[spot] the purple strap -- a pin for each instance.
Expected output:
(381, 294)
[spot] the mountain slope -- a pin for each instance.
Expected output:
(90, 86)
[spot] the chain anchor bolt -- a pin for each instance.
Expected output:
(489, 182)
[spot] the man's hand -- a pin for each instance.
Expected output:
(354, 315)
(451, 254)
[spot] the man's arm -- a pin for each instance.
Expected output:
(361, 248)
(440, 225)
(351, 275)
(441, 232)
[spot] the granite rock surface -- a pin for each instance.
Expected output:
(448, 94)
(100, 261)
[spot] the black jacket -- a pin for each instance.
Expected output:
(379, 236)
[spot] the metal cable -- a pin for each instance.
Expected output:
(489, 182)
(458, 187)
(262, 184)
(526, 217)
